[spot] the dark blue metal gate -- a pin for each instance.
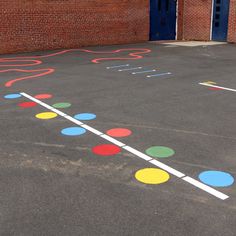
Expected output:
(163, 19)
(220, 20)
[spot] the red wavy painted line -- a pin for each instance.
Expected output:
(30, 61)
(11, 82)
(33, 62)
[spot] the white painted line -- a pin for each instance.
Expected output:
(97, 132)
(142, 72)
(78, 122)
(58, 112)
(112, 140)
(206, 188)
(118, 66)
(215, 86)
(167, 168)
(132, 150)
(135, 68)
(138, 153)
(168, 73)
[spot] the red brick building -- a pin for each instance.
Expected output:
(30, 25)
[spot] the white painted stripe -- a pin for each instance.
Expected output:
(95, 131)
(142, 72)
(112, 140)
(215, 86)
(137, 153)
(168, 73)
(167, 168)
(111, 67)
(135, 68)
(206, 188)
(58, 112)
(132, 150)
(78, 122)
(37, 101)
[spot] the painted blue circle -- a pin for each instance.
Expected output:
(216, 178)
(12, 96)
(73, 131)
(85, 116)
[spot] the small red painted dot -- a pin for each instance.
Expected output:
(106, 150)
(119, 132)
(43, 96)
(27, 104)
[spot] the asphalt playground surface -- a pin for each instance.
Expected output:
(53, 184)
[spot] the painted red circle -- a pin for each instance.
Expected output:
(215, 88)
(43, 96)
(27, 104)
(119, 132)
(106, 150)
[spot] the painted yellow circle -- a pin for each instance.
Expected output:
(46, 115)
(152, 176)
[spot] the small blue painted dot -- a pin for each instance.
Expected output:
(216, 178)
(73, 131)
(12, 96)
(85, 116)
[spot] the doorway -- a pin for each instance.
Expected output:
(220, 20)
(162, 19)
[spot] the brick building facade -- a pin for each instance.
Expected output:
(31, 25)
(28, 25)
(195, 20)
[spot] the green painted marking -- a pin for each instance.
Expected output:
(61, 105)
(160, 151)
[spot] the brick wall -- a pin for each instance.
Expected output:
(29, 25)
(232, 22)
(195, 19)
(180, 19)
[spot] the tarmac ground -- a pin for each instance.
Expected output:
(153, 151)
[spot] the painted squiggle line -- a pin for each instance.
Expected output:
(33, 62)
(30, 61)
(11, 82)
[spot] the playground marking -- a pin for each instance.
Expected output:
(168, 73)
(167, 168)
(135, 68)
(205, 188)
(112, 140)
(215, 86)
(137, 153)
(141, 72)
(118, 66)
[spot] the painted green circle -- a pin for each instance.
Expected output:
(61, 105)
(160, 151)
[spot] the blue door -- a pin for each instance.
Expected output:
(220, 20)
(163, 19)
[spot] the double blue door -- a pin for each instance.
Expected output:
(220, 20)
(163, 19)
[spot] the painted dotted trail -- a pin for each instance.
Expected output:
(207, 179)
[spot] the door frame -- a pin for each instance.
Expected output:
(212, 14)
